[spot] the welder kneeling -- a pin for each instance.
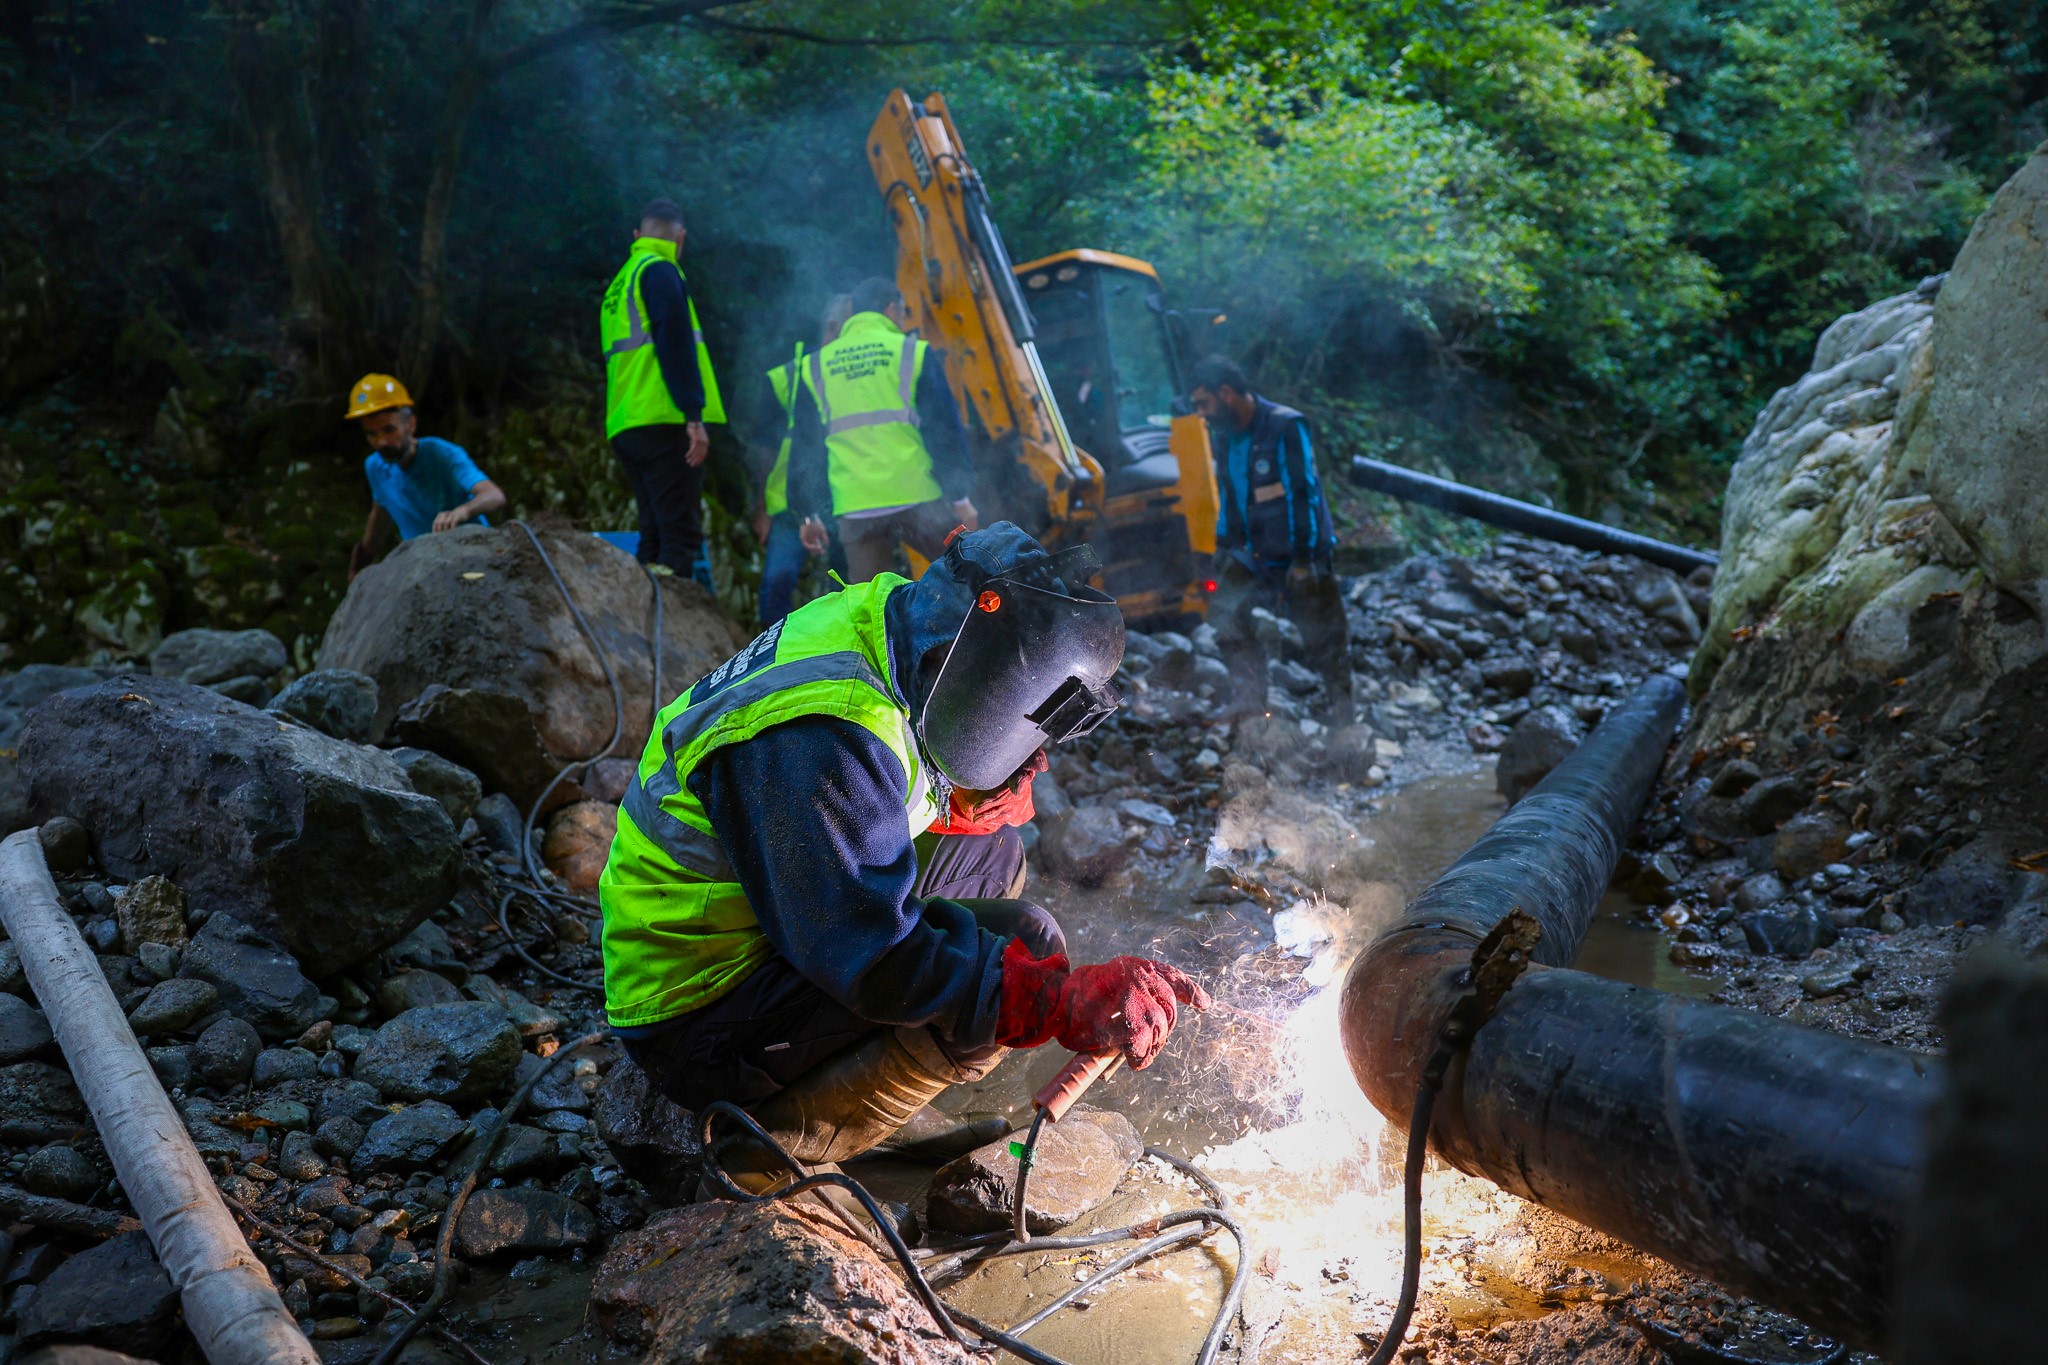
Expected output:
(781, 930)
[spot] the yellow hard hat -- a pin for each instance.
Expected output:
(375, 393)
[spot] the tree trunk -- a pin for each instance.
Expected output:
(270, 78)
(430, 313)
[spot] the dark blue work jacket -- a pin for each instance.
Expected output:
(1273, 514)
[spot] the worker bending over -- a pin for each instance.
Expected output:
(1274, 540)
(772, 936)
(879, 444)
(782, 544)
(659, 389)
(417, 483)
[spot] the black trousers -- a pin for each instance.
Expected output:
(669, 492)
(775, 1025)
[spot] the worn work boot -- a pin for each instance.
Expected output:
(848, 1104)
(854, 1100)
(934, 1135)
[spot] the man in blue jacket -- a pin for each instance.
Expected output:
(1274, 540)
(418, 484)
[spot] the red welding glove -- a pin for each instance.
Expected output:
(1127, 1004)
(972, 812)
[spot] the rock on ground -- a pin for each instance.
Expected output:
(257, 980)
(24, 1032)
(204, 657)
(721, 1281)
(1077, 1165)
(152, 911)
(521, 1220)
(408, 1140)
(653, 1137)
(489, 731)
(579, 840)
(333, 701)
(320, 844)
(474, 607)
(459, 1053)
(454, 786)
(113, 1295)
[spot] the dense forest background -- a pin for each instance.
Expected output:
(1561, 250)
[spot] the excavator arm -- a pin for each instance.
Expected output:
(963, 298)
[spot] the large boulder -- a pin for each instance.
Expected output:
(475, 608)
(721, 1281)
(1901, 471)
(320, 844)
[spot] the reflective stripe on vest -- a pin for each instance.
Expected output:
(678, 929)
(906, 389)
(865, 386)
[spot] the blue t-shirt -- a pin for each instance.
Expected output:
(441, 478)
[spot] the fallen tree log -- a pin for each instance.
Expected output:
(61, 1215)
(230, 1304)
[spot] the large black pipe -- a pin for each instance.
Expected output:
(1777, 1160)
(1527, 518)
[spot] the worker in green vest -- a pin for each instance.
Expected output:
(775, 526)
(879, 445)
(659, 389)
(777, 936)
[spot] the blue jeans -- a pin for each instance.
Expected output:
(782, 563)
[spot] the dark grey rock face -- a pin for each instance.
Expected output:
(454, 786)
(113, 1295)
(653, 1137)
(203, 657)
(490, 733)
(459, 1053)
(172, 1006)
(38, 1092)
(257, 980)
(334, 701)
(226, 1052)
(319, 843)
(408, 1140)
(24, 1032)
(522, 1220)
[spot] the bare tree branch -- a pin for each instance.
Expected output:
(708, 21)
(600, 22)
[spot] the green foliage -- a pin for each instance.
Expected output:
(1562, 250)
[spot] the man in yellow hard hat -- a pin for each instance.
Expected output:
(418, 483)
(659, 389)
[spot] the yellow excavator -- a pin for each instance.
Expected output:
(1068, 372)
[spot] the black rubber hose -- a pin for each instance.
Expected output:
(1411, 1218)
(1157, 1240)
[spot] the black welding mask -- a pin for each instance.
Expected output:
(1028, 664)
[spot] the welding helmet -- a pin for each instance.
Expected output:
(1030, 658)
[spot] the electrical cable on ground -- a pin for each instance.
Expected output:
(536, 887)
(1168, 1232)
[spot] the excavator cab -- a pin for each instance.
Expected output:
(1134, 480)
(1112, 365)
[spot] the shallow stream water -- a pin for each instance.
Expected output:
(1257, 1092)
